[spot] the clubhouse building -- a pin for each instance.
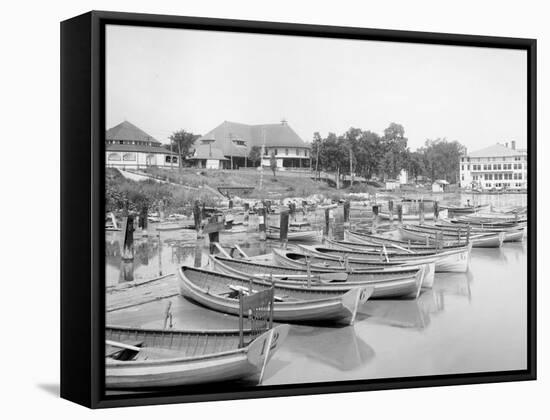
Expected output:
(229, 144)
(127, 146)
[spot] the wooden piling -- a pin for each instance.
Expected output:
(246, 213)
(197, 215)
(262, 222)
(375, 210)
(347, 206)
(421, 212)
(214, 238)
(142, 224)
(328, 223)
(283, 228)
(160, 254)
(390, 211)
(436, 210)
(400, 213)
(128, 247)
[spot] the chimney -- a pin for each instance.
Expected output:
(513, 145)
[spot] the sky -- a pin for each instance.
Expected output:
(163, 80)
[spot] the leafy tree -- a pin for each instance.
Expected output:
(394, 147)
(316, 146)
(182, 141)
(255, 154)
(441, 158)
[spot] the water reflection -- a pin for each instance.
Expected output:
(417, 313)
(340, 348)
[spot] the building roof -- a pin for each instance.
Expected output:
(128, 131)
(203, 152)
(137, 148)
(496, 150)
(276, 135)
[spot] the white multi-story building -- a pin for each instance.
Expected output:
(494, 168)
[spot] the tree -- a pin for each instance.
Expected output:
(316, 146)
(394, 148)
(255, 154)
(441, 158)
(273, 162)
(182, 141)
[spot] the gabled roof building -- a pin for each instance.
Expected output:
(497, 167)
(128, 146)
(229, 144)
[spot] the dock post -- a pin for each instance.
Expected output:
(246, 210)
(142, 224)
(261, 222)
(468, 235)
(283, 227)
(328, 223)
(214, 237)
(160, 254)
(375, 210)
(197, 215)
(198, 257)
(421, 212)
(390, 211)
(128, 248)
(230, 204)
(347, 206)
(436, 210)
(400, 214)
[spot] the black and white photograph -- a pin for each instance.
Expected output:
(289, 209)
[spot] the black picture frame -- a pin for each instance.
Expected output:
(82, 204)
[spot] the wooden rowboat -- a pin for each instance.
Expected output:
(297, 259)
(416, 233)
(465, 209)
(455, 260)
(325, 275)
(165, 227)
(412, 217)
(406, 285)
(220, 292)
(391, 248)
(149, 358)
(511, 234)
(414, 245)
(295, 235)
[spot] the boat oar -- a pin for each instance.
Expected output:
(326, 277)
(402, 249)
(122, 345)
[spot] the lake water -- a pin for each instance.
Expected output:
(468, 322)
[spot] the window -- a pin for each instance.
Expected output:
(129, 156)
(113, 156)
(286, 152)
(463, 177)
(519, 175)
(306, 152)
(174, 159)
(275, 152)
(121, 142)
(468, 167)
(167, 159)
